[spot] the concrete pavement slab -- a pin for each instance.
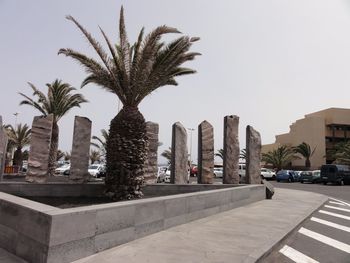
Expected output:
(243, 234)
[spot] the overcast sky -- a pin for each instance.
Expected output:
(268, 61)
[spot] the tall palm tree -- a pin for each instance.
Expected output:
(19, 137)
(167, 155)
(305, 151)
(280, 157)
(132, 72)
(58, 101)
(101, 143)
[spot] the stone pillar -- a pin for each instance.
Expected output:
(205, 153)
(151, 163)
(39, 152)
(253, 148)
(179, 155)
(231, 150)
(3, 147)
(79, 162)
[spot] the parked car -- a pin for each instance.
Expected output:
(297, 175)
(96, 170)
(167, 176)
(241, 172)
(161, 174)
(310, 176)
(218, 172)
(286, 175)
(194, 171)
(334, 173)
(63, 170)
(267, 174)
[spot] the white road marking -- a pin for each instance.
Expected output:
(340, 201)
(337, 208)
(336, 203)
(334, 214)
(331, 224)
(296, 256)
(326, 240)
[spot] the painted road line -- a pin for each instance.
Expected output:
(295, 255)
(336, 203)
(326, 240)
(337, 208)
(340, 201)
(334, 214)
(331, 224)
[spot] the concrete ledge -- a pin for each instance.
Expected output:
(62, 235)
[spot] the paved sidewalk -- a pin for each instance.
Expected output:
(243, 234)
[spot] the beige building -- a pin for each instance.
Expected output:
(322, 129)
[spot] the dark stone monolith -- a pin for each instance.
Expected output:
(231, 150)
(3, 146)
(151, 163)
(80, 150)
(253, 158)
(39, 152)
(205, 153)
(179, 155)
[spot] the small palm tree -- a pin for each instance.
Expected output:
(60, 155)
(280, 157)
(243, 154)
(220, 154)
(167, 155)
(340, 153)
(67, 156)
(19, 137)
(132, 72)
(101, 143)
(58, 101)
(305, 151)
(95, 156)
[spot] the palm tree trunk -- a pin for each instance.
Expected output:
(126, 154)
(53, 150)
(307, 163)
(17, 157)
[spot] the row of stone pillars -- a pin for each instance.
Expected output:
(179, 161)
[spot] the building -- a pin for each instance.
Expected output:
(322, 129)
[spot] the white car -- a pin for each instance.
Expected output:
(267, 173)
(218, 172)
(63, 170)
(95, 169)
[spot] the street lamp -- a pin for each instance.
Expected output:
(191, 130)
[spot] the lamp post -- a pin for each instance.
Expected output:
(191, 130)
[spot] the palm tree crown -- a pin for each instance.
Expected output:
(305, 150)
(279, 158)
(58, 101)
(134, 71)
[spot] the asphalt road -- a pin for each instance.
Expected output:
(331, 190)
(324, 236)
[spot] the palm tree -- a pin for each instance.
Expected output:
(167, 155)
(101, 143)
(95, 155)
(132, 72)
(58, 101)
(280, 157)
(18, 137)
(305, 151)
(220, 153)
(67, 156)
(340, 153)
(60, 155)
(243, 154)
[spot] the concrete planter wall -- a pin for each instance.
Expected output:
(41, 233)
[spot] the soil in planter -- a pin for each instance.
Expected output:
(69, 202)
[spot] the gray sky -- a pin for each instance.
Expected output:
(269, 62)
